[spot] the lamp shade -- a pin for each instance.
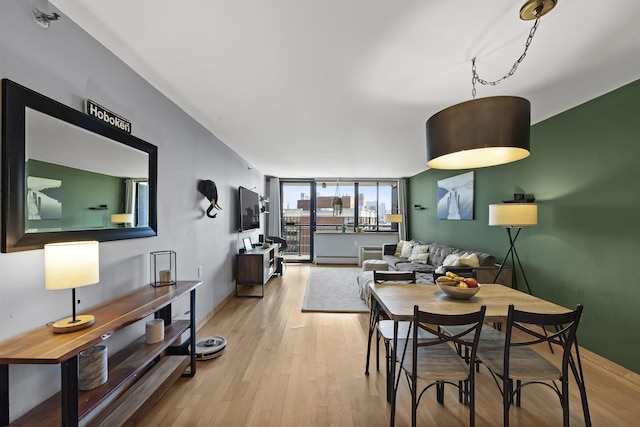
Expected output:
(122, 218)
(71, 264)
(479, 133)
(393, 217)
(513, 214)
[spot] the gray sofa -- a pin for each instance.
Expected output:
(485, 273)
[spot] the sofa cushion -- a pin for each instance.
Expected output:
(414, 266)
(484, 259)
(393, 260)
(438, 252)
(451, 260)
(469, 260)
(419, 254)
(407, 248)
(398, 251)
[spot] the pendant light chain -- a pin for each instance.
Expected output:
(475, 78)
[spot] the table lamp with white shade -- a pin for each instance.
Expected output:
(70, 265)
(510, 216)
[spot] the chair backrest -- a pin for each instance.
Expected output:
(468, 336)
(559, 330)
(282, 242)
(394, 276)
(432, 322)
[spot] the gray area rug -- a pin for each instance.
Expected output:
(333, 290)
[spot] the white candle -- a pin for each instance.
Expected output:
(154, 331)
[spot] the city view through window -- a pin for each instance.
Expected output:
(337, 209)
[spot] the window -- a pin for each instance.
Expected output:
(367, 210)
(376, 200)
(335, 206)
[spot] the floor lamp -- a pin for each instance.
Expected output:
(513, 216)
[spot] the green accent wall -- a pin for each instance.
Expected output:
(584, 173)
(80, 191)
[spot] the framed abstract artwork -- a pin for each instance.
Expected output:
(455, 197)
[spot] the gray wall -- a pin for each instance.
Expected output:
(66, 64)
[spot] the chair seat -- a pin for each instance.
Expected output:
(524, 363)
(435, 363)
(385, 327)
(486, 333)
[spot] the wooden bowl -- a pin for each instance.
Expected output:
(458, 293)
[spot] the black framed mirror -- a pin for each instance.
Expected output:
(67, 176)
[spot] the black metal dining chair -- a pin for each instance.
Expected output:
(436, 361)
(515, 365)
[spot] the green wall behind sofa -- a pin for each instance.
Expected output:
(583, 171)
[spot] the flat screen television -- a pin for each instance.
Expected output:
(248, 209)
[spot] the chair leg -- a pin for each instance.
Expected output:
(507, 389)
(565, 402)
(472, 402)
(371, 328)
(579, 377)
(377, 351)
(388, 362)
(440, 393)
(414, 401)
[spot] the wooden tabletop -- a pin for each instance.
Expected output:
(398, 300)
(43, 346)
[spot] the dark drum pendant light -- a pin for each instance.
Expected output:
(479, 133)
(485, 131)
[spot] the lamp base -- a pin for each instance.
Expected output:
(68, 325)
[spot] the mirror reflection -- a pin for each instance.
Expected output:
(78, 180)
(67, 176)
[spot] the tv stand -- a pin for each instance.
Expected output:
(254, 269)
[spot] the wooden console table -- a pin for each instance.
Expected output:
(138, 375)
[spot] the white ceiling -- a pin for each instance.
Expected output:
(343, 88)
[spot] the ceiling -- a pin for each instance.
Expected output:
(343, 88)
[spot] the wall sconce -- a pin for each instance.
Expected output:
(263, 201)
(44, 19)
(71, 265)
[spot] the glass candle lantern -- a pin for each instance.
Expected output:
(163, 268)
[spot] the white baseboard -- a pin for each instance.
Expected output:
(335, 260)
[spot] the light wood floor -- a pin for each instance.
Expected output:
(283, 367)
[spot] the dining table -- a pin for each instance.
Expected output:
(398, 299)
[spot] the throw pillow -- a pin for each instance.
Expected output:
(407, 248)
(451, 260)
(469, 260)
(399, 248)
(419, 254)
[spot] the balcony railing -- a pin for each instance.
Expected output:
(298, 237)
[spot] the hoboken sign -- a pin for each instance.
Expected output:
(107, 116)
